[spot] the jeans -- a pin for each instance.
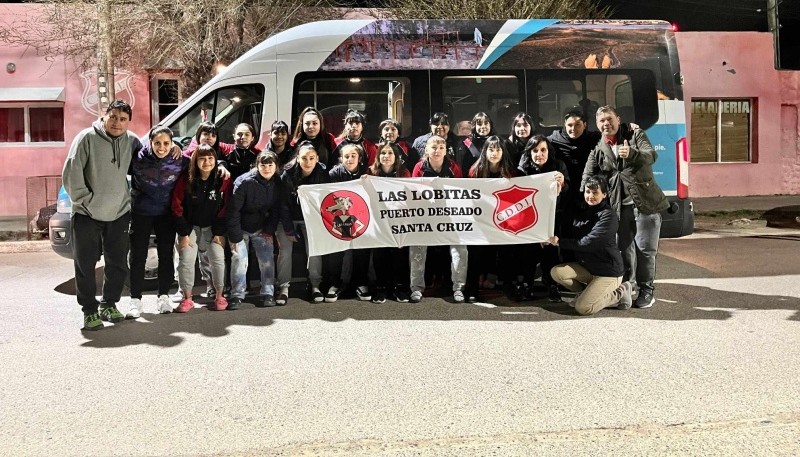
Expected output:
(239, 262)
(597, 292)
(200, 242)
(285, 258)
(637, 238)
(89, 238)
(458, 266)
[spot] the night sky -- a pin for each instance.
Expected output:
(697, 15)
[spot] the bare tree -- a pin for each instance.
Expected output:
(188, 36)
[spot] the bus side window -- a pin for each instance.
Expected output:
(555, 96)
(226, 107)
(496, 95)
(376, 97)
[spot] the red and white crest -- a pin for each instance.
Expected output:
(514, 209)
(122, 86)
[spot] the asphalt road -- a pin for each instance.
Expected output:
(710, 370)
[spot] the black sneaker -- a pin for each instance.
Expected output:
(553, 294)
(211, 292)
(522, 292)
(379, 297)
(269, 301)
(234, 303)
(362, 293)
(401, 295)
(316, 296)
(332, 295)
(646, 299)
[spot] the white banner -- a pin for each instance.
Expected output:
(394, 212)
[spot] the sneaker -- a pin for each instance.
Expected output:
(401, 295)
(625, 301)
(220, 304)
(646, 299)
(473, 297)
(362, 293)
(522, 292)
(458, 296)
(186, 305)
(316, 295)
(226, 292)
(416, 296)
(92, 322)
(269, 301)
(111, 314)
(211, 292)
(177, 297)
(164, 304)
(134, 309)
(282, 298)
(234, 303)
(553, 294)
(332, 295)
(379, 297)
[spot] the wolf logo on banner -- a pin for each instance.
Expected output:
(514, 209)
(345, 214)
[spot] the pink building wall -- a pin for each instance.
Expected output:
(17, 162)
(741, 65)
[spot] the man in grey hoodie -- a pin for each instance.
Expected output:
(95, 178)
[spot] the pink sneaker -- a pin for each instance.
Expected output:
(220, 304)
(185, 306)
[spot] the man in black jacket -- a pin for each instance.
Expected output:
(625, 157)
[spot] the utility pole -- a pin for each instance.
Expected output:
(774, 27)
(105, 56)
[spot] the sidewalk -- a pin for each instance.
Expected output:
(755, 202)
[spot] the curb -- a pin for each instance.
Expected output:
(11, 247)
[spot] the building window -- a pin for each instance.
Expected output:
(165, 97)
(31, 124)
(722, 130)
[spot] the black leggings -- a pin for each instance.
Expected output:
(141, 228)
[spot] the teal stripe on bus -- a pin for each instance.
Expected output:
(527, 29)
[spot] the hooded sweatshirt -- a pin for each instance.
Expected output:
(95, 173)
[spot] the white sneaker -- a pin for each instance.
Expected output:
(164, 304)
(177, 297)
(134, 309)
(458, 296)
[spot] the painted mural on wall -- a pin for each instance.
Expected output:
(123, 86)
